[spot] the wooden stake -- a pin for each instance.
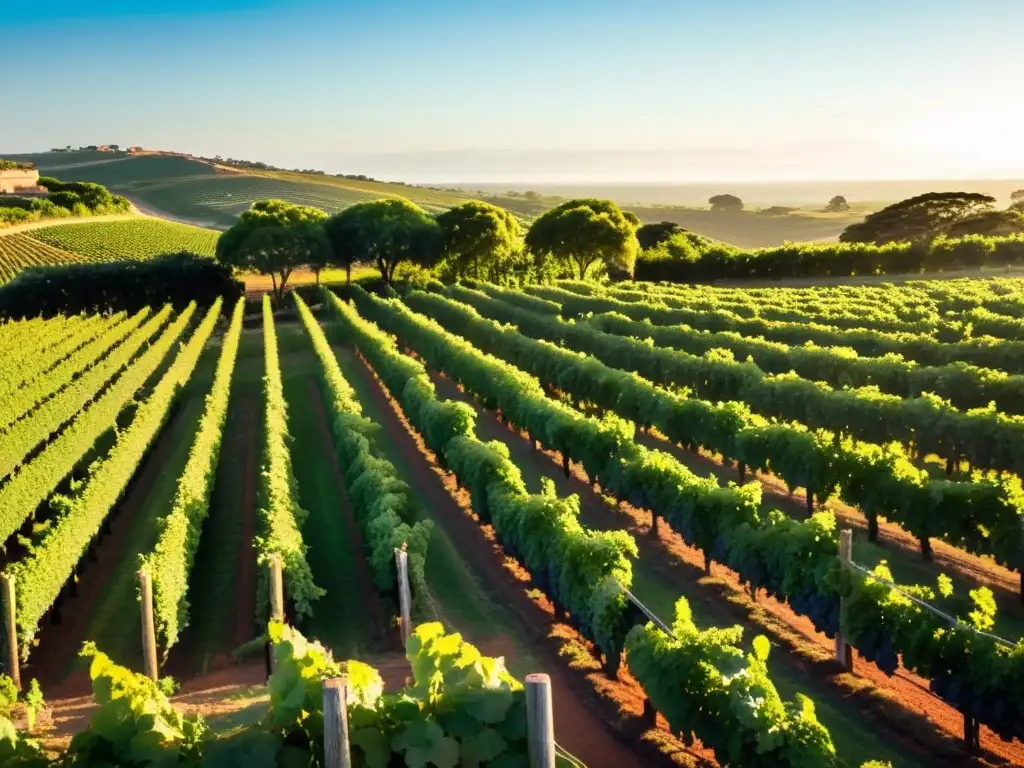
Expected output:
(276, 589)
(404, 594)
(337, 753)
(13, 662)
(844, 653)
(540, 723)
(148, 631)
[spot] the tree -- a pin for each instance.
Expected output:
(652, 235)
(1017, 206)
(480, 240)
(990, 224)
(923, 217)
(388, 231)
(584, 232)
(837, 204)
(1018, 195)
(274, 238)
(725, 203)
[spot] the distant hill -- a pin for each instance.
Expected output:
(209, 195)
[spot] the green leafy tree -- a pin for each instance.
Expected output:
(275, 238)
(1017, 206)
(725, 203)
(1017, 195)
(923, 217)
(990, 224)
(837, 204)
(582, 233)
(388, 232)
(652, 235)
(480, 240)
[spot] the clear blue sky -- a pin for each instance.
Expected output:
(538, 90)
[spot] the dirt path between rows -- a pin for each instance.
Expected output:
(245, 590)
(358, 547)
(578, 727)
(59, 644)
(796, 634)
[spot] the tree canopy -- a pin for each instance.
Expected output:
(388, 231)
(989, 223)
(651, 235)
(837, 204)
(274, 238)
(1017, 195)
(480, 240)
(923, 217)
(725, 203)
(581, 233)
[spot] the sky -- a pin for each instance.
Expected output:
(450, 90)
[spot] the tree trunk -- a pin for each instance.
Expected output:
(565, 464)
(273, 280)
(707, 564)
(810, 502)
(348, 274)
(743, 472)
(317, 273)
(872, 526)
(926, 548)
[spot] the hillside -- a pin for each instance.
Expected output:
(206, 195)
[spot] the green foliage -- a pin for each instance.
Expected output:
(463, 709)
(388, 232)
(72, 350)
(481, 241)
(794, 561)
(581, 570)
(38, 478)
(989, 224)
(34, 704)
(135, 724)
(837, 204)
(725, 203)
(177, 279)
(280, 515)
(51, 560)
(141, 238)
(705, 686)
(275, 238)
(171, 559)
(922, 217)
(382, 504)
(581, 234)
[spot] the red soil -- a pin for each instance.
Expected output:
(59, 644)
(877, 692)
(582, 716)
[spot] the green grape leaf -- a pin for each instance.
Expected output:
(487, 745)
(374, 745)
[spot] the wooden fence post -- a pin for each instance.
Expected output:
(148, 630)
(336, 748)
(540, 723)
(844, 653)
(404, 594)
(276, 589)
(13, 662)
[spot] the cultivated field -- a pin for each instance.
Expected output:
(98, 240)
(202, 194)
(531, 482)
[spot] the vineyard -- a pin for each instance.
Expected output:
(127, 239)
(738, 527)
(98, 241)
